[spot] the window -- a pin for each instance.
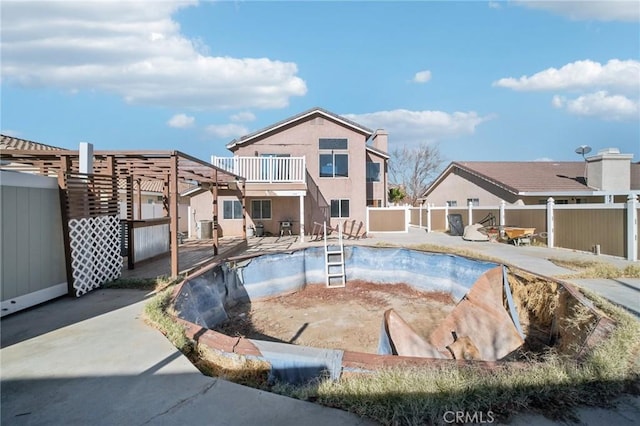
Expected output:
(474, 201)
(374, 203)
(334, 165)
(339, 208)
(452, 203)
(231, 209)
(326, 143)
(373, 172)
(261, 209)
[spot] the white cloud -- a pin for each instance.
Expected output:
(494, 5)
(600, 104)
(542, 159)
(243, 116)
(610, 91)
(408, 127)
(181, 121)
(597, 10)
(422, 76)
(615, 74)
(134, 50)
(226, 131)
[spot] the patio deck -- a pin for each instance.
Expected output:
(195, 254)
(192, 255)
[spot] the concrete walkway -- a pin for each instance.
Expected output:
(94, 361)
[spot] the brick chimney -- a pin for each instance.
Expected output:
(381, 140)
(609, 170)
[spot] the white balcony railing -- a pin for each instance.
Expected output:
(264, 169)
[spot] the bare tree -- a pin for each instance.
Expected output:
(413, 168)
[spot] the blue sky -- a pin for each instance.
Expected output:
(509, 81)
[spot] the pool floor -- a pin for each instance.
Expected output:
(346, 318)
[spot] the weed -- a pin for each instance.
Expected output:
(150, 284)
(156, 313)
(590, 269)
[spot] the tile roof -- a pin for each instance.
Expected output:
(530, 176)
(156, 186)
(10, 142)
(286, 121)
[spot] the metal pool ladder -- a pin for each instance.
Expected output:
(334, 261)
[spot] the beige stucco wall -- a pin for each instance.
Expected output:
(456, 188)
(302, 140)
(377, 190)
(459, 186)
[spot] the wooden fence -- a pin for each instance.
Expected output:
(90, 220)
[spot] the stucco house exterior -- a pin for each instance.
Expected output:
(606, 177)
(313, 167)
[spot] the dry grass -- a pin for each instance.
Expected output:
(590, 269)
(157, 313)
(150, 284)
(553, 386)
(538, 297)
(232, 367)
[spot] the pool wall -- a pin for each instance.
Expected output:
(203, 299)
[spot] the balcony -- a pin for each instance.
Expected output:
(264, 169)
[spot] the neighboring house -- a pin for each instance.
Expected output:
(608, 176)
(10, 142)
(313, 167)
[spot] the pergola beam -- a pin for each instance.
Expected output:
(170, 167)
(173, 214)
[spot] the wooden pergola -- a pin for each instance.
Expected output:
(169, 167)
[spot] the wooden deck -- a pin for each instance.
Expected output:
(196, 254)
(192, 255)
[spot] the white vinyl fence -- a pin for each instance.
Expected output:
(604, 228)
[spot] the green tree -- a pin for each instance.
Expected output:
(396, 195)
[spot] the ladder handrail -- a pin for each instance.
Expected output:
(327, 254)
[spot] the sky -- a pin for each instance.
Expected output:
(485, 80)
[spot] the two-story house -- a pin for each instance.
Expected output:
(310, 168)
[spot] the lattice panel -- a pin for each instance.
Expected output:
(95, 252)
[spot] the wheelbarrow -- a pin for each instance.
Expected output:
(519, 236)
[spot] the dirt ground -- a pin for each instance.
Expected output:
(348, 318)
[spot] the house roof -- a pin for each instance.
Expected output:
(378, 152)
(156, 186)
(10, 142)
(521, 177)
(299, 117)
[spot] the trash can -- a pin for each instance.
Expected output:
(250, 232)
(205, 229)
(260, 230)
